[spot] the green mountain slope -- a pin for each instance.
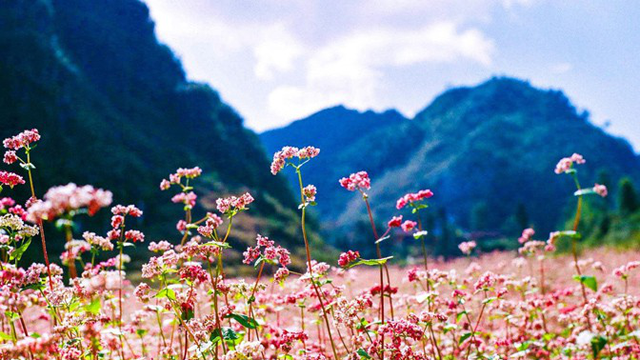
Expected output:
(116, 110)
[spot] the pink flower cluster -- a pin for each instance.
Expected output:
(23, 139)
(213, 222)
(176, 177)
(267, 249)
(624, 270)
(395, 221)
(348, 257)
(567, 163)
(188, 199)
(10, 179)
(289, 152)
(63, 199)
(467, 247)
(310, 192)
(600, 190)
(408, 225)
(359, 180)
(527, 234)
(413, 197)
(120, 212)
(233, 203)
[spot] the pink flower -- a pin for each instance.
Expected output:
(467, 247)
(527, 234)
(160, 246)
(413, 197)
(600, 190)
(225, 205)
(347, 258)
(251, 254)
(408, 225)
(165, 184)
(10, 179)
(284, 257)
(310, 192)
(359, 180)
(134, 235)
(189, 199)
(130, 210)
(264, 241)
(281, 275)
(62, 199)
(10, 157)
(566, 163)
(23, 139)
(395, 221)
(288, 152)
(308, 152)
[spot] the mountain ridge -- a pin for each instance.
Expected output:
(493, 145)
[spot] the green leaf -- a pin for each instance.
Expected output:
(597, 344)
(570, 234)
(244, 320)
(420, 234)
(464, 337)
(166, 293)
(17, 253)
(370, 262)
(35, 286)
(584, 192)
(94, 306)
(27, 166)
(218, 244)
(5, 336)
(227, 333)
(363, 354)
(489, 300)
(460, 315)
(588, 281)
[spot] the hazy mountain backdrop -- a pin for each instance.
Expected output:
(487, 151)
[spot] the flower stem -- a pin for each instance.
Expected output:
(308, 252)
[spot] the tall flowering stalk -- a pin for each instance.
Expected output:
(416, 203)
(25, 141)
(284, 158)
(361, 182)
(567, 166)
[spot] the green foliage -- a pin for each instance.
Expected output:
(628, 197)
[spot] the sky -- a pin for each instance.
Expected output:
(278, 61)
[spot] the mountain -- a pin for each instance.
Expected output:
(116, 110)
(487, 152)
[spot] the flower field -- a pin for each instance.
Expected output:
(533, 304)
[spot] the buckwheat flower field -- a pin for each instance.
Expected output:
(533, 304)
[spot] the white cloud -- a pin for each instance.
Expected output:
(561, 68)
(350, 70)
(275, 51)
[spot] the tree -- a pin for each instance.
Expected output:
(479, 216)
(522, 218)
(628, 197)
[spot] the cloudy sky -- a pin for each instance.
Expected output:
(277, 61)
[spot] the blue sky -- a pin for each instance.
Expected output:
(277, 61)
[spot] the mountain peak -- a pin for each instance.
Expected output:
(493, 144)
